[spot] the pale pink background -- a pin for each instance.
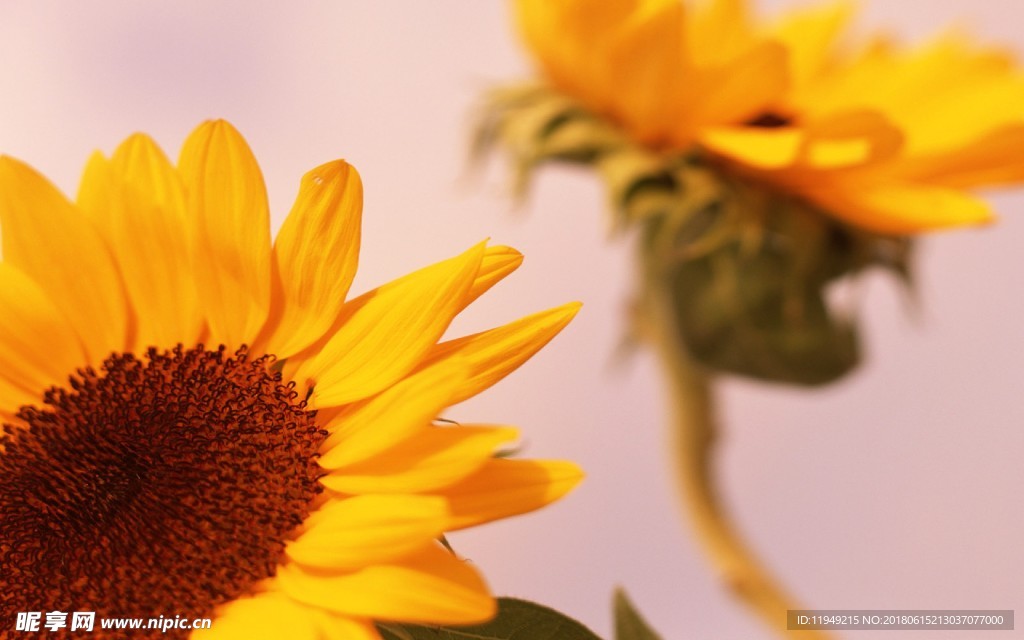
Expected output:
(899, 488)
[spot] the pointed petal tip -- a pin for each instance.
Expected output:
(561, 477)
(565, 313)
(217, 123)
(504, 251)
(573, 307)
(476, 252)
(566, 471)
(333, 169)
(137, 144)
(213, 128)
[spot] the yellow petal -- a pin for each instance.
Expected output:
(37, 347)
(840, 141)
(742, 89)
(50, 241)
(392, 416)
(718, 31)
(266, 616)
(12, 398)
(504, 488)
(387, 333)
(492, 355)
(94, 193)
(850, 139)
(903, 208)
(151, 244)
(316, 254)
(995, 159)
(570, 38)
(228, 200)
(498, 262)
(365, 530)
(431, 586)
(764, 149)
(810, 33)
(140, 162)
(428, 461)
(646, 60)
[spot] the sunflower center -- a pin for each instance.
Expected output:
(154, 487)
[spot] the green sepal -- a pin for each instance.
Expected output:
(750, 273)
(516, 620)
(629, 625)
(750, 268)
(535, 124)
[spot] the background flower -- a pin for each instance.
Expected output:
(308, 80)
(885, 137)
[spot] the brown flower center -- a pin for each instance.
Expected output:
(157, 487)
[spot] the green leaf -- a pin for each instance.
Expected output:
(628, 623)
(516, 620)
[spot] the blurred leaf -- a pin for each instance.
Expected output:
(628, 623)
(516, 620)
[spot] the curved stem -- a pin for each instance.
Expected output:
(695, 430)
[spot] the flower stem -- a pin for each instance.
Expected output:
(695, 432)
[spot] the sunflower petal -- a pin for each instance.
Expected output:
(386, 334)
(764, 149)
(646, 61)
(504, 488)
(429, 461)
(851, 138)
(366, 530)
(151, 246)
(12, 398)
(809, 35)
(316, 254)
(392, 416)
(904, 208)
(140, 162)
(498, 262)
(431, 586)
(31, 326)
(492, 355)
(995, 159)
(567, 37)
(745, 87)
(840, 141)
(50, 241)
(228, 200)
(718, 31)
(266, 616)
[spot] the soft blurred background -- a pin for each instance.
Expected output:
(898, 488)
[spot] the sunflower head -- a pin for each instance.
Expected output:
(765, 160)
(201, 423)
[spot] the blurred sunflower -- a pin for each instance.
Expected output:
(291, 482)
(888, 140)
(759, 164)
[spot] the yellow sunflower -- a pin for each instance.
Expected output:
(889, 140)
(198, 423)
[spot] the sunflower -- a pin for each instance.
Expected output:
(199, 424)
(758, 165)
(885, 139)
